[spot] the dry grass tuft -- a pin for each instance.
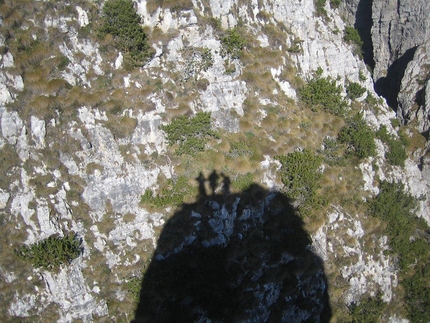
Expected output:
(122, 127)
(13, 18)
(40, 104)
(173, 5)
(55, 85)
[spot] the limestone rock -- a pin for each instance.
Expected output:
(38, 131)
(398, 26)
(71, 292)
(11, 126)
(4, 198)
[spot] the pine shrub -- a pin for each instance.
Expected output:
(52, 252)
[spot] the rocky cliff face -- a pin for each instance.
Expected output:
(395, 36)
(80, 143)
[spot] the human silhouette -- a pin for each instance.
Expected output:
(213, 181)
(225, 184)
(201, 180)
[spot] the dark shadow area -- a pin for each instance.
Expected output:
(234, 258)
(389, 86)
(363, 24)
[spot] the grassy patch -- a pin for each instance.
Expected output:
(242, 182)
(172, 194)
(122, 127)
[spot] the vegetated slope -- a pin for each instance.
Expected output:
(102, 143)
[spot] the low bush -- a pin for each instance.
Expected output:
(409, 240)
(396, 208)
(396, 154)
(198, 60)
(190, 133)
(417, 294)
(134, 285)
(300, 174)
(335, 3)
(355, 90)
(122, 22)
(324, 93)
(369, 309)
(232, 43)
(52, 252)
(319, 8)
(352, 36)
(359, 137)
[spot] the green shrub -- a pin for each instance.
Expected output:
(323, 92)
(417, 294)
(335, 3)
(300, 174)
(123, 23)
(395, 122)
(351, 35)
(355, 90)
(295, 46)
(396, 208)
(190, 133)
(369, 309)
(319, 7)
(371, 100)
(232, 43)
(396, 154)
(52, 252)
(409, 240)
(359, 137)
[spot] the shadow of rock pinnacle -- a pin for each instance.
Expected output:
(234, 258)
